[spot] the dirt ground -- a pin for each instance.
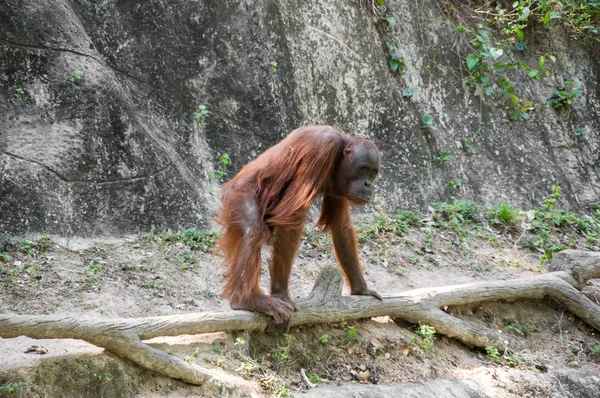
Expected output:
(158, 275)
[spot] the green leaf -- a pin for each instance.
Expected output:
(520, 45)
(389, 20)
(427, 119)
(552, 58)
(409, 91)
(524, 13)
(534, 74)
(580, 131)
(446, 156)
(519, 33)
(461, 29)
(472, 61)
(393, 65)
(542, 62)
(489, 90)
(499, 66)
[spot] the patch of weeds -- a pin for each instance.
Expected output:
(201, 114)
(31, 248)
(324, 338)
(95, 268)
(268, 379)
(553, 229)
(493, 353)
(564, 98)
(389, 20)
(514, 330)
(77, 77)
(433, 259)
(594, 348)
(19, 94)
(386, 226)
(455, 214)
(481, 268)
(189, 259)
(350, 333)
(453, 186)
(427, 335)
(192, 238)
(273, 66)
(398, 271)
(501, 34)
(428, 123)
(396, 62)
(315, 379)
(221, 170)
(442, 158)
(10, 388)
(504, 214)
(283, 352)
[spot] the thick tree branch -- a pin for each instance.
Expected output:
(324, 304)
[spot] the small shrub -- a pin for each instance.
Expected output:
(427, 334)
(505, 214)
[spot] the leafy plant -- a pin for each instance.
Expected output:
(427, 122)
(389, 20)
(10, 388)
(550, 202)
(315, 379)
(19, 94)
(564, 98)
(505, 214)
(493, 353)
(427, 334)
(396, 62)
(409, 92)
(201, 114)
(442, 158)
(595, 348)
(385, 225)
(76, 77)
(192, 238)
(221, 171)
(273, 66)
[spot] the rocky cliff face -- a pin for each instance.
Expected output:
(97, 102)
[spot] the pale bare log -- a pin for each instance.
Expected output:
(324, 304)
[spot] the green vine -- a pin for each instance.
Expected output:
(494, 46)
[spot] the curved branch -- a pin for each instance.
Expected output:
(325, 304)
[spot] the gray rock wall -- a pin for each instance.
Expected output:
(119, 151)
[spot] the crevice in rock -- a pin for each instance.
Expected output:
(95, 182)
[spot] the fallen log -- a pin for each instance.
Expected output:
(569, 271)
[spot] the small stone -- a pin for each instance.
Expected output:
(364, 375)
